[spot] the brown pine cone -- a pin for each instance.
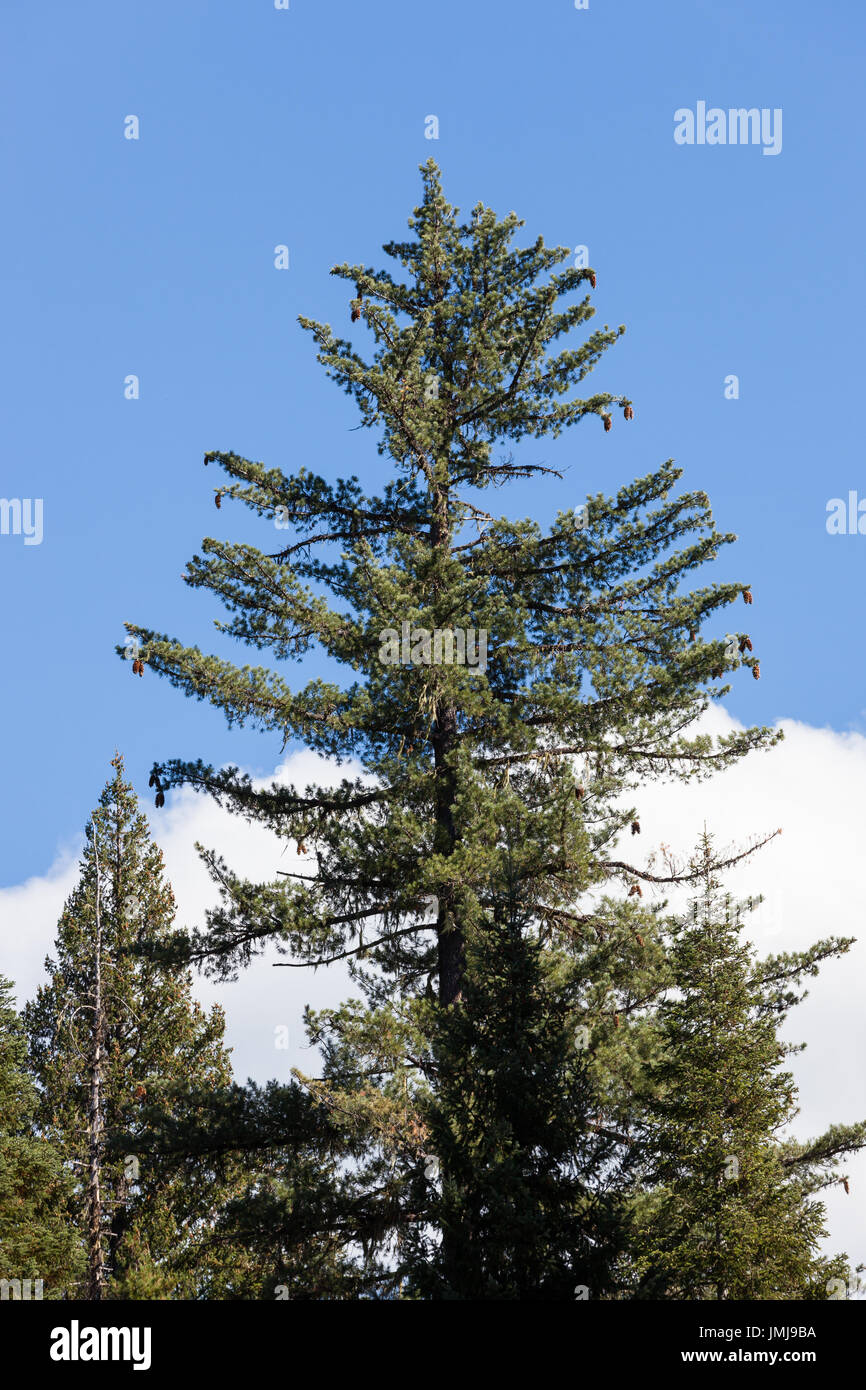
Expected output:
(160, 799)
(592, 279)
(756, 671)
(635, 827)
(607, 422)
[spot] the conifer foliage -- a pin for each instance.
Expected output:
(37, 1242)
(453, 866)
(729, 1210)
(587, 632)
(114, 1037)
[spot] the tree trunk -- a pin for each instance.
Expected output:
(450, 937)
(95, 1262)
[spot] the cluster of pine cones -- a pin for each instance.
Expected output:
(627, 410)
(155, 782)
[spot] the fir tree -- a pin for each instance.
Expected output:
(731, 1211)
(529, 1203)
(114, 1036)
(295, 1210)
(36, 1239)
(593, 673)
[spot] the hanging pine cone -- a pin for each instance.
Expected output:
(639, 938)
(748, 642)
(628, 412)
(218, 500)
(692, 634)
(635, 827)
(160, 800)
(135, 667)
(302, 848)
(356, 310)
(607, 422)
(635, 891)
(141, 668)
(592, 279)
(154, 780)
(756, 670)
(747, 596)
(580, 793)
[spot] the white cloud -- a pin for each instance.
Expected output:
(811, 786)
(263, 998)
(29, 913)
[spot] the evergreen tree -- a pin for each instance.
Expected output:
(36, 1239)
(730, 1211)
(522, 1212)
(593, 673)
(114, 1036)
(294, 1211)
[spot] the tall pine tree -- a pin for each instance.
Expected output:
(731, 1210)
(593, 674)
(114, 1036)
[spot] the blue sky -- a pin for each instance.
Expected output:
(306, 127)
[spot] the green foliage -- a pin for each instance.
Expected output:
(292, 1209)
(728, 1212)
(459, 867)
(158, 1043)
(36, 1240)
(532, 1180)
